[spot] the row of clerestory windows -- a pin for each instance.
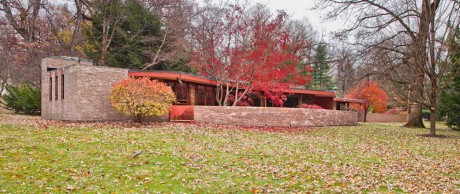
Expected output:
(56, 87)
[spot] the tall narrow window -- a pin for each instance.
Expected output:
(62, 86)
(51, 88)
(210, 96)
(200, 95)
(56, 94)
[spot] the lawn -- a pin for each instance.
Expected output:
(38, 156)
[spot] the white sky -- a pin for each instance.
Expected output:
(300, 9)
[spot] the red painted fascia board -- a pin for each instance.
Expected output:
(312, 92)
(174, 76)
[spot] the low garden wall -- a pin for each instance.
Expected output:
(273, 116)
(382, 117)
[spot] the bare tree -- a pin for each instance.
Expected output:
(64, 27)
(6, 57)
(416, 31)
(110, 15)
(175, 16)
(32, 30)
(302, 33)
(23, 17)
(345, 78)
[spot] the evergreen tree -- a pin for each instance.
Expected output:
(23, 99)
(122, 34)
(449, 102)
(321, 68)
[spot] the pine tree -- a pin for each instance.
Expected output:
(122, 34)
(450, 97)
(321, 68)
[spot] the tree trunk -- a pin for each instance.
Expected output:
(74, 42)
(137, 118)
(415, 116)
(433, 99)
(219, 95)
(432, 121)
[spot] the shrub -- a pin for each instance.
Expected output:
(426, 114)
(245, 100)
(23, 99)
(142, 97)
(310, 106)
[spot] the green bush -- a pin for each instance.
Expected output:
(450, 105)
(23, 99)
(426, 114)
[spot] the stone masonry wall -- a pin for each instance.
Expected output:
(93, 86)
(273, 116)
(383, 118)
(54, 68)
(86, 90)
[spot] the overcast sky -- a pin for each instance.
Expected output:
(300, 9)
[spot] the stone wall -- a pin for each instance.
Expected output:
(273, 116)
(382, 118)
(86, 90)
(93, 86)
(52, 68)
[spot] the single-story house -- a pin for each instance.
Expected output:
(74, 89)
(192, 89)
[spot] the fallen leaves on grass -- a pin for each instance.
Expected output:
(53, 156)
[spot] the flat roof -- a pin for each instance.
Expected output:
(350, 100)
(189, 77)
(69, 58)
(173, 75)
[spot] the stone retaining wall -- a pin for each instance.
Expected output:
(273, 116)
(382, 118)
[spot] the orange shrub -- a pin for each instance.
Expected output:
(141, 97)
(370, 91)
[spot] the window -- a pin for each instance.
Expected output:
(182, 93)
(51, 89)
(307, 99)
(292, 101)
(200, 95)
(205, 95)
(210, 96)
(56, 88)
(62, 86)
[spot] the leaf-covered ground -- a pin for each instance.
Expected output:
(38, 156)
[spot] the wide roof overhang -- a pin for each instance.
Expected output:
(188, 77)
(350, 100)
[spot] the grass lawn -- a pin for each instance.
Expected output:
(38, 156)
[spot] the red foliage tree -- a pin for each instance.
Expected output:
(246, 51)
(375, 96)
